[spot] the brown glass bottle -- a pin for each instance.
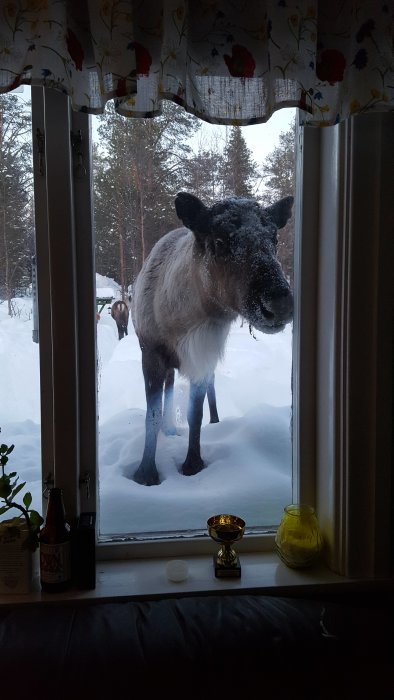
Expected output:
(55, 546)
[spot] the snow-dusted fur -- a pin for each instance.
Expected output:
(193, 285)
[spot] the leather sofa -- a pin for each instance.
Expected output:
(206, 646)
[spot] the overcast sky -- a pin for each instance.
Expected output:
(261, 138)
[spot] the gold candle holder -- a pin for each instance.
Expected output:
(226, 529)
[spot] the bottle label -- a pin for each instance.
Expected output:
(55, 562)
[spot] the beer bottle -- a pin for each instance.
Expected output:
(55, 546)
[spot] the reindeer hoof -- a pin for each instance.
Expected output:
(146, 477)
(192, 465)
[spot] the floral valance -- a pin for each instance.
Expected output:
(228, 62)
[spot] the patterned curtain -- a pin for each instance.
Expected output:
(228, 62)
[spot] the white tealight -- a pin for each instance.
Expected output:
(177, 570)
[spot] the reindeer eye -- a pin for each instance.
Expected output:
(220, 246)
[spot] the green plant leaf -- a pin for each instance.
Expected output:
(35, 519)
(27, 499)
(16, 490)
(6, 449)
(3, 509)
(5, 486)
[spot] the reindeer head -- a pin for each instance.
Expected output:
(236, 240)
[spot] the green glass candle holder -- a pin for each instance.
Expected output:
(298, 540)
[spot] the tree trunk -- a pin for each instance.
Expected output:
(122, 264)
(6, 260)
(141, 216)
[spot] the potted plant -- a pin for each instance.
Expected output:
(19, 535)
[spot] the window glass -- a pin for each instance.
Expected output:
(19, 346)
(139, 167)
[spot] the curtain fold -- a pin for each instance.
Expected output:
(228, 62)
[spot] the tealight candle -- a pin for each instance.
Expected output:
(177, 570)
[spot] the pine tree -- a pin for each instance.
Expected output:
(16, 223)
(136, 179)
(203, 169)
(202, 176)
(239, 171)
(278, 172)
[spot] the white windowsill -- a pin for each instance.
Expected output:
(146, 578)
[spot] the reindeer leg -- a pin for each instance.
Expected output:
(154, 375)
(211, 394)
(168, 425)
(193, 462)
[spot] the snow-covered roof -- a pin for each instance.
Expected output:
(104, 292)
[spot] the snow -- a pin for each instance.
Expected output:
(104, 292)
(107, 288)
(247, 454)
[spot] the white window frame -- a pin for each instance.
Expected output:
(344, 431)
(65, 264)
(340, 438)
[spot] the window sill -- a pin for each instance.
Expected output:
(146, 579)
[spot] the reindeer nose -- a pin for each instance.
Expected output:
(282, 306)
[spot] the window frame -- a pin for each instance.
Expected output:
(65, 268)
(345, 196)
(336, 166)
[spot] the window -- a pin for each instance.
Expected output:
(139, 166)
(343, 327)
(20, 409)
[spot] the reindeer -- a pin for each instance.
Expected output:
(195, 282)
(120, 314)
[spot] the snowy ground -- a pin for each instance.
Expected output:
(247, 454)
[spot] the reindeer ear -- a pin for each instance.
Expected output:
(191, 211)
(280, 212)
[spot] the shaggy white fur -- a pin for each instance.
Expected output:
(200, 349)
